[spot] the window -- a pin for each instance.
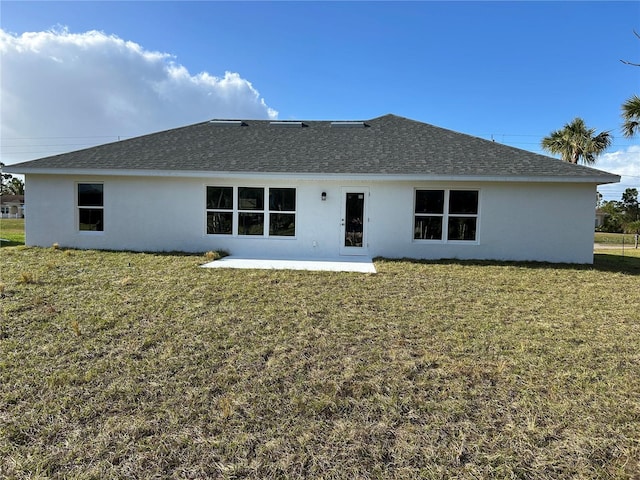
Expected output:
(446, 215)
(249, 214)
(463, 215)
(250, 211)
(282, 212)
(429, 213)
(91, 207)
(220, 210)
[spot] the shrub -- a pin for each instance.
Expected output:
(217, 255)
(632, 227)
(26, 278)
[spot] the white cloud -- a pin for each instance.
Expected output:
(91, 88)
(625, 163)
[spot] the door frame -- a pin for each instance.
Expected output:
(364, 249)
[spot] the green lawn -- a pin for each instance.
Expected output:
(614, 238)
(11, 232)
(123, 365)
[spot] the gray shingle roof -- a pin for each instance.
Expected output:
(387, 145)
(7, 199)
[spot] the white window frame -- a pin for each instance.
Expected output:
(219, 210)
(269, 211)
(266, 211)
(239, 211)
(89, 207)
(445, 215)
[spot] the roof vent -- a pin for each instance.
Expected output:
(228, 123)
(348, 125)
(287, 124)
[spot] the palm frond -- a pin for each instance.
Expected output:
(631, 116)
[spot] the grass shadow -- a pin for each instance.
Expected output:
(605, 262)
(10, 243)
(626, 264)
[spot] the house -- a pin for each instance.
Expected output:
(600, 217)
(11, 206)
(389, 186)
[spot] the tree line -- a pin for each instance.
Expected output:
(10, 185)
(622, 216)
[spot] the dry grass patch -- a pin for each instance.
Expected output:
(121, 365)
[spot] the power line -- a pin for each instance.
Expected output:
(48, 145)
(503, 142)
(69, 136)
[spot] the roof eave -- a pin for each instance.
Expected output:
(604, 178)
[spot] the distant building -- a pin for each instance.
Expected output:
(600, 216)
(11, 206)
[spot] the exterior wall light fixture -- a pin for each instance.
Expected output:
(323, 197)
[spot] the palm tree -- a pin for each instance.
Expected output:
(577, 143)
(631, 115)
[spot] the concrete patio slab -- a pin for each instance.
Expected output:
(361, 265)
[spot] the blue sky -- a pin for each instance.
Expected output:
(511, 71)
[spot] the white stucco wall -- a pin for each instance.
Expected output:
(517, 221)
